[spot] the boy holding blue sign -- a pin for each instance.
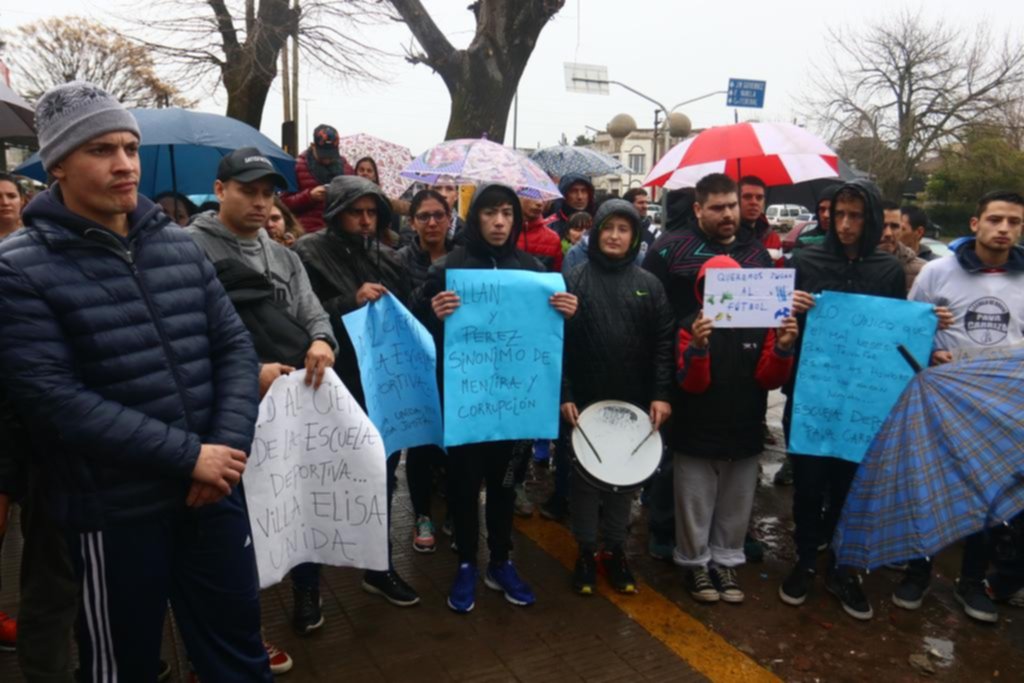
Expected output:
(848, 260)
(492, 227)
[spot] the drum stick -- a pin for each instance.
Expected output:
(649, 435)
(587, 439)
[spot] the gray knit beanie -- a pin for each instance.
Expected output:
(71, 114)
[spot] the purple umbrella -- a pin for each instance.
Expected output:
(480, 161)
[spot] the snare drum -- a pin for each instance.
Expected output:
(614, 446)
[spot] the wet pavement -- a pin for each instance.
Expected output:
(660, 634)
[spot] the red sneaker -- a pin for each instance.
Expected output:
(8, 633)
(280, 661)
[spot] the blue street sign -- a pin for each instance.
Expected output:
(744, 93)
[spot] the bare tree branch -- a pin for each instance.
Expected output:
(55, 51)
(481, 79)
(239, 41)
(912, 87)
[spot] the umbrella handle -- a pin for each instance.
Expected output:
(909, 357)
(1017, 479)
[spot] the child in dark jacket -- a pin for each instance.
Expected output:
(725, 376)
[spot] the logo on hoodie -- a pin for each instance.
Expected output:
(987, 321)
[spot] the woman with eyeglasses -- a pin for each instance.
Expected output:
(430, 218)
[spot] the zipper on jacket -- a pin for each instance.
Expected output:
(125, 253)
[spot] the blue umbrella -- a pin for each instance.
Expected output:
(946, 463)
(562, 160)
(181, 149)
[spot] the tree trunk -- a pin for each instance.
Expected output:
(480, 102)
(483, 78)
(248, 89)
(251, 67)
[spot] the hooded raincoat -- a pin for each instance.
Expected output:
(618, 346)
(339, 263)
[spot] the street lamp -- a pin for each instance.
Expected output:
(594, 79)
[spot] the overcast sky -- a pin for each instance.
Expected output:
(659, 47)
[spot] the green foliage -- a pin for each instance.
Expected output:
(954, 217)
(985, 161)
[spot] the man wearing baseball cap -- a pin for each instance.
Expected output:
(245, 189)
(139, 384)
(315, 169)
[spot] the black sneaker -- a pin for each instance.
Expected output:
(698, 581)
(164, 674)
(796, 586)
(616, 569)
(845, 585)
(306, 614)
(910, 592)
(753, 549)
(977, 604)
(391, 586)
(554, 508)
(584, 576)
(728, 585)
(784, 477)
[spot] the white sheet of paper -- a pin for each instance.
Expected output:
(748, 297)
(315, 483)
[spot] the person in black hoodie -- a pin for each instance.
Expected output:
(847, 260)
(617, 347)
(577, 195)
(349, 267)
(492, 228)
(821, 213)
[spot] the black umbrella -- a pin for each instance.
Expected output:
(806, 193)
(16, 116)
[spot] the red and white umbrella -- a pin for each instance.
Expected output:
(777, 153)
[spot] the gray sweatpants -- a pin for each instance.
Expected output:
(713, 503)
(590, 506)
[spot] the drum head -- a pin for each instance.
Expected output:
(614, 430)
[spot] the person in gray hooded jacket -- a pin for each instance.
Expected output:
(245, 189)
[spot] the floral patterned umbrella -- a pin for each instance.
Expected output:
(390, 157)
(479, 161)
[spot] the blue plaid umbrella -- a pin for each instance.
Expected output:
(562, 160)
(947, 462)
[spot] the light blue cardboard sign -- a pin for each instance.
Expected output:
(397, 364)
(851, 373)
(502, 357)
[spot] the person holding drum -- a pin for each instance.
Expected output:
(618, 349)
(494, 222)
(725, 375)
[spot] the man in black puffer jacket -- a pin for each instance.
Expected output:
(618, 346)
(139, 385)
(492, 227)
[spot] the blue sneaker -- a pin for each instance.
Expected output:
(541, 450)
(462, 597)
(503, 577)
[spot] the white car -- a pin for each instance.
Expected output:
(783, 216)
